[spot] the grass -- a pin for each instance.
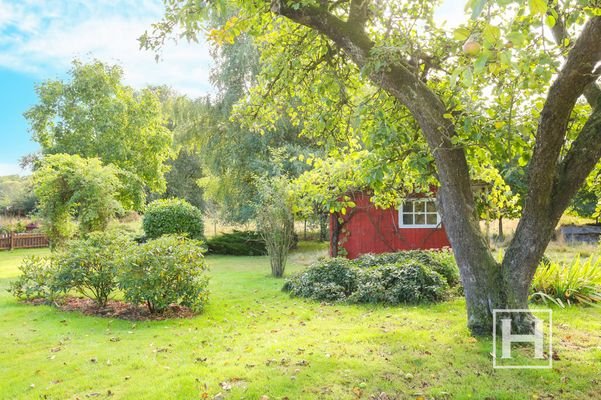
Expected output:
(255, 340)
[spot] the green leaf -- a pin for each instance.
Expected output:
(480, 63)
(461, 34)
(467, 77)
(517, 38)
(491, 34)
(477, 6)
(537, 7)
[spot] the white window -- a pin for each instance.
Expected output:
(419, 213)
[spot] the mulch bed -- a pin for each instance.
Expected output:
(117, 309)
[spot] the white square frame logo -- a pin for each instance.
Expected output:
(549, 312)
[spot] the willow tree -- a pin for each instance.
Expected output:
(507, 83)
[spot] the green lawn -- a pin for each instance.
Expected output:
(254, 340)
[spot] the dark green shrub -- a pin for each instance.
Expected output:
(165, 271)
(172, 216)
(237, 243)
(330, 280)
(91, 265)
(400, 283)
(391, 278)
(441, 261)
(35, 281)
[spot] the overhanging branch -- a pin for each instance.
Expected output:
(592, 92)
(577, 73)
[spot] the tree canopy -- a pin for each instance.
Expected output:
(93, 114)
(16, 195)
(502, 92)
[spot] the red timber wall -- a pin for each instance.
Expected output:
(367, 229)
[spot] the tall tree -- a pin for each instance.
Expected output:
(397, 48)
(94, 114)
(232, 154)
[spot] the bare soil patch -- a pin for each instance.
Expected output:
(117, 309)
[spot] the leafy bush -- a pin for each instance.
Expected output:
(91, 265)
(576, 283)
(388, 278)
(172, 216)
(164, 271)
(400, 283)
(35, 281)
(330, 280)
(237, 243)
(441, 262)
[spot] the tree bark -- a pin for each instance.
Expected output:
(335, 236)
(487, 284)
(501, 234)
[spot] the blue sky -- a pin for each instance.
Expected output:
(40, 38)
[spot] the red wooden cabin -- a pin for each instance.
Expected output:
(367, 229)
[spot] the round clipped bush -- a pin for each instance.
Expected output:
(164, 271)
(172, 216)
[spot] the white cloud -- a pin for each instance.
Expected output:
(43, 37)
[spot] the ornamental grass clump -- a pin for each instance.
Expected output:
(568, 284)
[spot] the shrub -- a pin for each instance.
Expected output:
(35, 281)
(440, 261)
(237, 243)
(576, 283)
(392, 278)
(330, 280)
(91, 265)
(172, 216)
(164, 271)
(400, 283)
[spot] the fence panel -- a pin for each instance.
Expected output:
(23, 241)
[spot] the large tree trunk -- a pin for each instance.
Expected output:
(480, 274)
(552, 181)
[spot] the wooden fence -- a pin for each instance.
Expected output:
(12, 241)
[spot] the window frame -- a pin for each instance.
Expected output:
(425, 213)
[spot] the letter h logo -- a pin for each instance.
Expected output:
(508, 338)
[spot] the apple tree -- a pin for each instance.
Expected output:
(513, 87)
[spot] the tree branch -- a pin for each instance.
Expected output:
(592, 92)
(358, 12)
(577, 73)
(578, 163)
(553, 184)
